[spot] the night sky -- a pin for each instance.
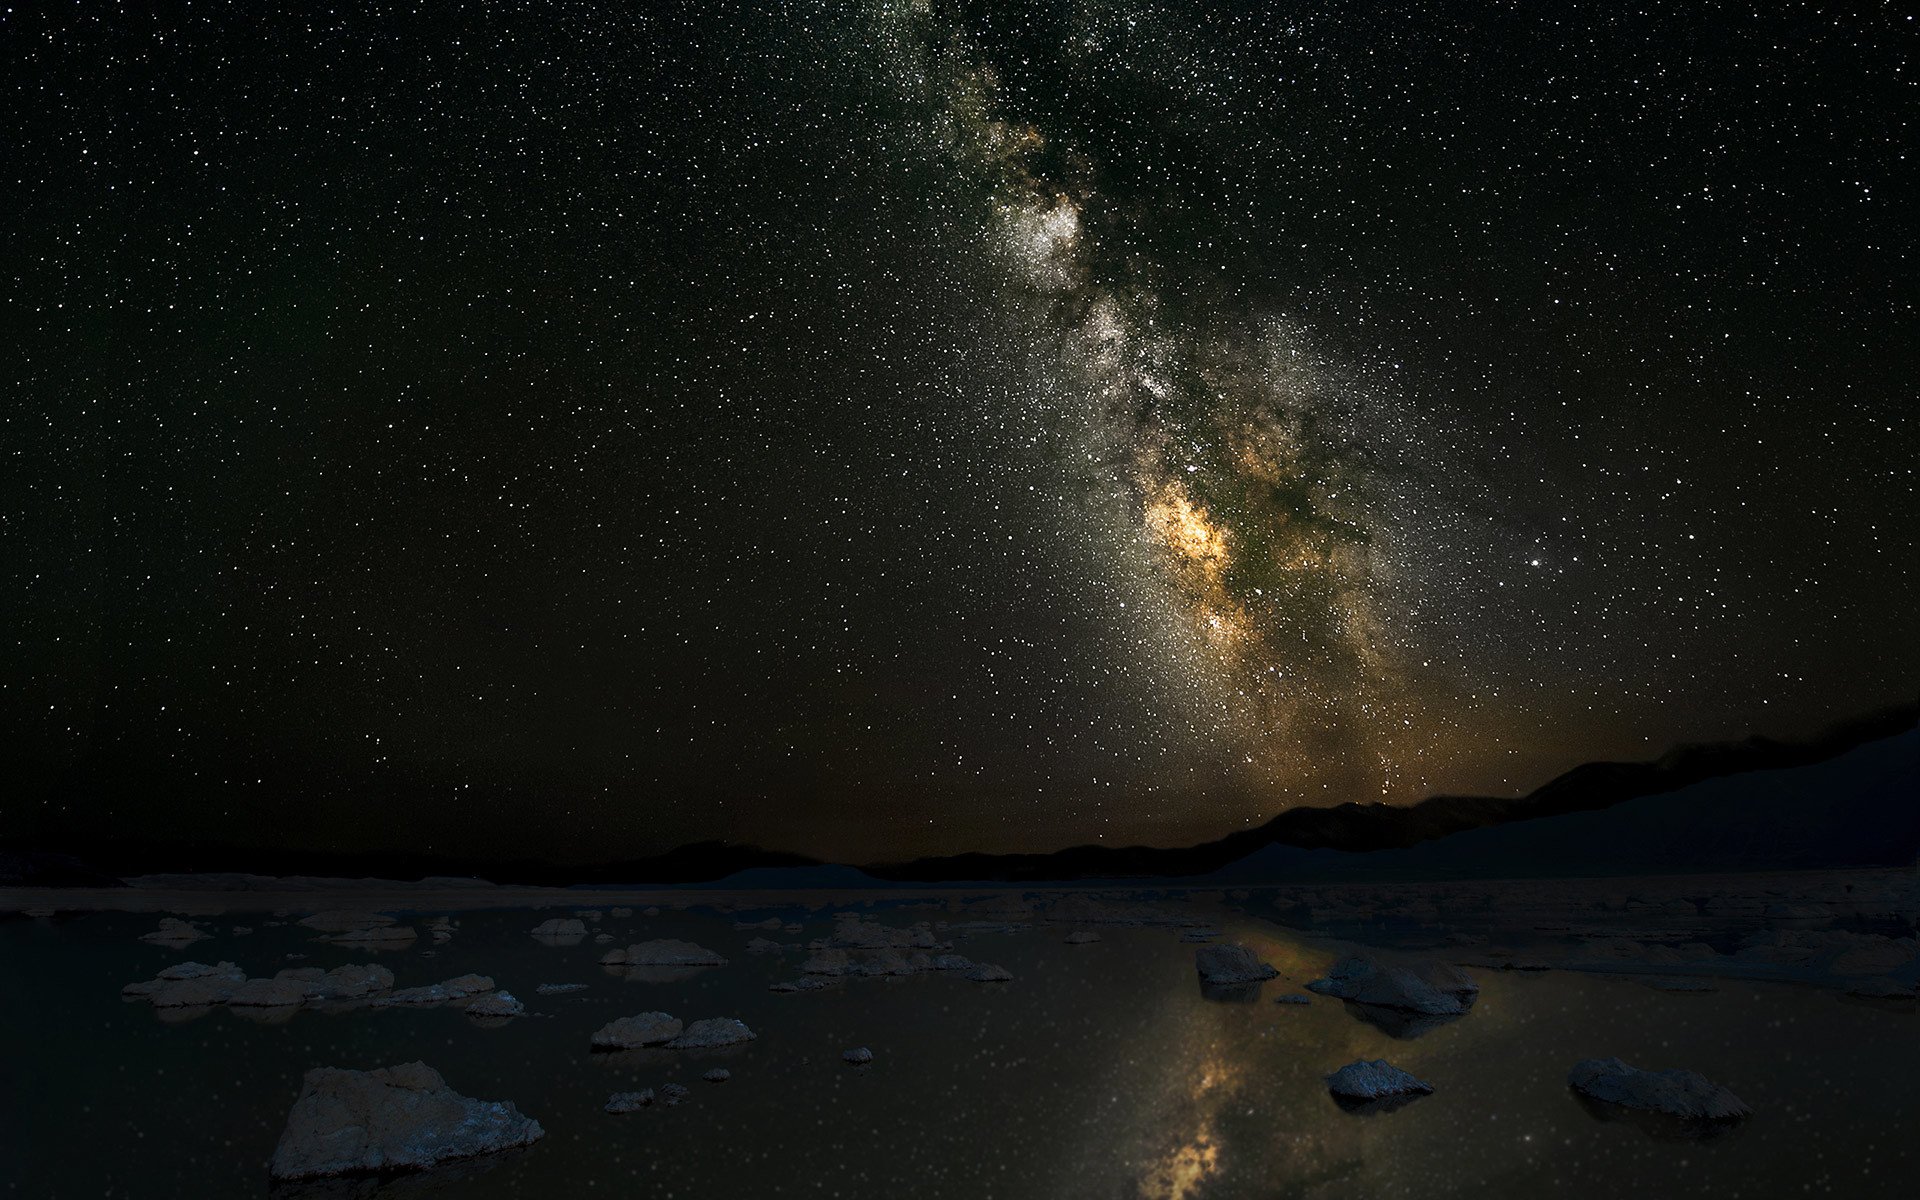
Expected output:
(876, 429)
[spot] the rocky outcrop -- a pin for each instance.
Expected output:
(630, 1033)
(402, 1118)
(1685, 1095)
(1228, 964)
(1361, 1082)
(1431, 988)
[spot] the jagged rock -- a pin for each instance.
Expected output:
(858, 1056)
(1433, 989)
(1230, 963)
(629, 1033)
(626, 1102)
(175, 933)
(808, 984)
(988, 973)
(400, 1118)
(663, 952)
(558, 989)
(711, 1032)
(1683, 1094)
(718, 1075)
(1081, 937)
(1363, 1081)
(496, 1004)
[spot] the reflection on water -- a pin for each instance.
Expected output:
(1101, 1071)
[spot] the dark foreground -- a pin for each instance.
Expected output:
(1101, 1069)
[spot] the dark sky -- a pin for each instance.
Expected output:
(873, 429)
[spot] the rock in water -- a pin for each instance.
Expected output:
(1362, 1081)
(496, 1004)
(1082, 937)
(718, 1075)
(1434, 989)
(988, 973)
(559, 989)
(1230, 963)
(1292, 998)
(859, 1056)
(663, 952)
(402, 1118)
(1684, 1094)
(626, 1102)
(629, 1033)
(711, 1032)
(560, 931)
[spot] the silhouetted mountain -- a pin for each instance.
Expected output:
(1362, 828)
(1696, 807)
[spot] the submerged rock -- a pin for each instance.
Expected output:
(808, 984)
(458, 988)
(859, 1056)
(1362, 1081)
(988, 973)
(711, 1032)
(630, 1033)
(1293, 998)
(558, 989)
(1432, 988)
(952, 962)
(1230, 963)
(718, 1075)
(402, 1118)
(1081, 937)
(1683, 1094)
(672, 1094)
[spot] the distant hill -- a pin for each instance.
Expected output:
(1885, 833)
(1849, 797)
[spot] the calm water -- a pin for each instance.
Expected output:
(1100, 1072)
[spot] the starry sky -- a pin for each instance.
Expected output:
(893, 427)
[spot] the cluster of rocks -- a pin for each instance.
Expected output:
(666, 1030)
(198, 985)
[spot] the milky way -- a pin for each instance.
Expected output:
(1239, 480)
